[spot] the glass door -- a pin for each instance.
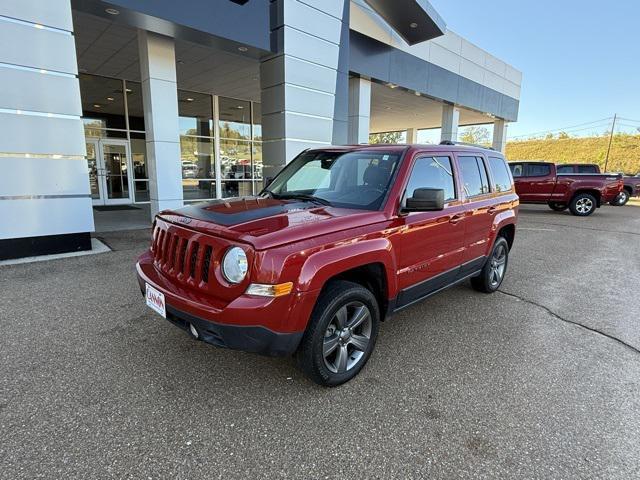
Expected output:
(109, 167)
(94, 178)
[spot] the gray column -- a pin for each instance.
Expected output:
(359, 110)
(450, 121)
(412, 135)
(160, 99)
(301, 82)
(500, 135)
(44, 181)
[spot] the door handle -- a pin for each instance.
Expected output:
(492, 210)
(456, 218)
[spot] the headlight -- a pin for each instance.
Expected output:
(234, 265)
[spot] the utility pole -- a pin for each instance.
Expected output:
(613, 127)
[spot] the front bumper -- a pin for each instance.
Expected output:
(264, 325)
(249, 339)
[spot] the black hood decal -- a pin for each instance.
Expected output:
(240, 210)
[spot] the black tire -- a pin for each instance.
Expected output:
(311, 358)
(487, 282)
(558, 207)
(583, 204)
(621, 200)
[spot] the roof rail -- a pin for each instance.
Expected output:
(465, 144)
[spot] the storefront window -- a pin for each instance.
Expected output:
(134, 105)
(235, 119)
(195, 112)
(103, 111)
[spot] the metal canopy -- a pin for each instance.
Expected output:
(414, 20)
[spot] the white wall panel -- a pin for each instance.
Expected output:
(472, 71)
(39, 92)
(52, 13)
(310, 20)
(310, 48)
(49, 216)
(37, 134)
(445, 58)
(301, 100)
(43, 176)
(39, 48)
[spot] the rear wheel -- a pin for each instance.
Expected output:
(583, 204)
(558, 207)
(621, 199)
(341, 334)
(494, 269)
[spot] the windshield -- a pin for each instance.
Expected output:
(350, 180)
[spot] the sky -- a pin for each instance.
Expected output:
(580, 59)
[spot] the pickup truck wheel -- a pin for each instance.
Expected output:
(494, 269)
(583, 205)
(558, 207)
(621, 199)
(341, 334)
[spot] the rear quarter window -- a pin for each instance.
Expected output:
(538, 170)
(501, 174)
(517, 169)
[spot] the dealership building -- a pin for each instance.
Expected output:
(155, 104)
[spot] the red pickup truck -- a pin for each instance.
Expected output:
(339, 240)
(631, 183)
(581, 193)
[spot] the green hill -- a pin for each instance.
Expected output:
(624, 155)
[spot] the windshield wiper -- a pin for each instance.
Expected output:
(301, 196)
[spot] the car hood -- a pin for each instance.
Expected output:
(268, 222)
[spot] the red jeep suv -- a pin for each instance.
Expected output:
(339, 240)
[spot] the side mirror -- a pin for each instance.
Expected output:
(425, 199)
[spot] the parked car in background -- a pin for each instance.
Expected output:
(581, 193)
(189, 169)
(339, 240)
(631, 183)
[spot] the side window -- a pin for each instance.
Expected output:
(538, 170)
(587, 169)
(565, 169)
(484, 176)
(501, 175)
(474, 176)
(432, 172)
(517, 169)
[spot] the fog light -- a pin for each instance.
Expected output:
(264, 290)
(193, 331)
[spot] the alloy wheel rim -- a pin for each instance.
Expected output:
(622, 198)
(497, 265)
(584, 205)
(347, 337)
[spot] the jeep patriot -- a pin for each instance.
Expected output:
(340, 239)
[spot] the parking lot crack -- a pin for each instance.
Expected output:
(566, 320)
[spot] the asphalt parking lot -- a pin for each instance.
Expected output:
(540, 380)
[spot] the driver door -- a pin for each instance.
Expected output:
(432, 242)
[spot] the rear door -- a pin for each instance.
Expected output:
(479, 209)
(431, 242)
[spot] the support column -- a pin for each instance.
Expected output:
(412, 135)
(160, 100)
(45, 200)
(359, 110)
(500, 135)
(301, 84)
(450, 121)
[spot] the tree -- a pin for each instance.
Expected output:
(476, 135)
(563, 135)
(387, 137)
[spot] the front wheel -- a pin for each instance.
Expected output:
(621, 199)
(494, 269)
(341, 334)
(583, 204)
(558, 207)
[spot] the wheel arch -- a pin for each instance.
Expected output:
(591, 191)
